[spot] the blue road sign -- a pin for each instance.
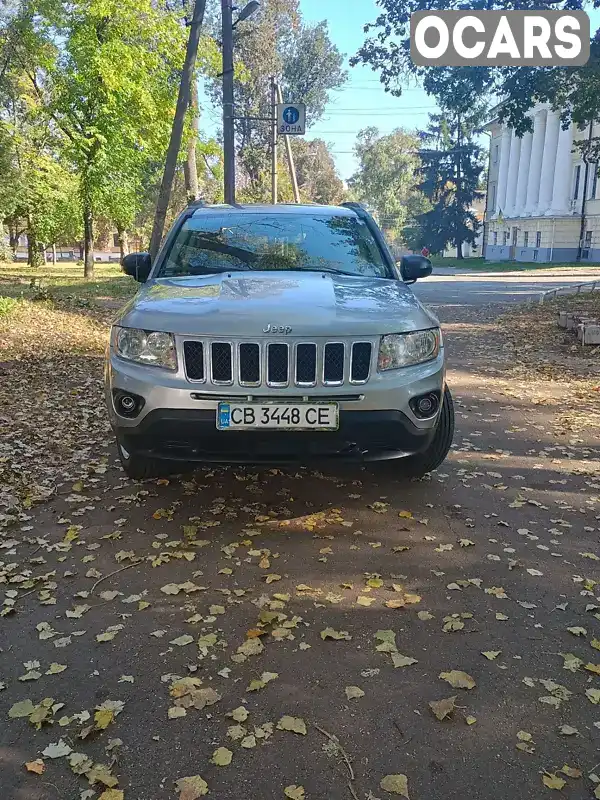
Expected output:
(291, 115)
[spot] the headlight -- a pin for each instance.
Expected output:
(404, 349)
(155, 348)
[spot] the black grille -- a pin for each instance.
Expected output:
(306, 363)
(249, 363)
(277, 363)
(221, 362)
(194, 360)
(361, 361)
(333, 363)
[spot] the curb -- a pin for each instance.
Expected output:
(577, 288)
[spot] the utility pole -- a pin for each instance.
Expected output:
(228, 103)
(290, 155)
(183, 101)
(273, 141)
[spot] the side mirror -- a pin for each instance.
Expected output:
(138, 265)
(414, 267)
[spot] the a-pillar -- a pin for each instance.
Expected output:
(562, 174)
(548, 162)
(523, 173)
(513, 173)
(503, 170)
(535, 165)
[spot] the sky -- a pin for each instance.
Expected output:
(362, 101)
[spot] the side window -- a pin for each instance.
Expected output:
(538, 239)
(577, 179)
(526, 239)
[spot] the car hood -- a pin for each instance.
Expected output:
(239, 304)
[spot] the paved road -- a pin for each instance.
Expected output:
(204, 605)
(452, 288)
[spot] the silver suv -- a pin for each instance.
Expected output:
(277, 334)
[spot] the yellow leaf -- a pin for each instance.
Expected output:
(470, 720)
(293, 724)
(395, 784)
(595, 668)
(595, 644)
(191, 788)
(222, 757)
(443, 708)
(424, 615)
(330, 633)
(458, 679)
(412, 599)
(36, 766)
(572, 772)
(112, 794)
(491, 654)
(361, 600)
(354, 692)
(593, 695)
(398, 660)
(103, 718)
(294, 792)
(523, 736)
(375, 583)
(405, 514)
(271, 578)
(395, 603)
(552, 781)
(597, 792)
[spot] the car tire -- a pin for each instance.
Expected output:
(420, 464)
(139, 467)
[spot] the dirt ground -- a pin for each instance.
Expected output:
(270, 633)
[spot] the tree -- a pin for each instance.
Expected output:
(450, 179)
(575, 90)
(386, 177)
(318, 179)
(101, 71)
(270, 44)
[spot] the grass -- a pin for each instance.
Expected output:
(481, 265)
(64, 281)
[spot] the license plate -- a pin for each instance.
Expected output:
(287, 416)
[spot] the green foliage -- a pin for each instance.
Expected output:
(8, 305)
(450, 172)
(317, 175)
(386, 177)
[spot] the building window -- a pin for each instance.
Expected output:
(526, 239)
(493, 196)
(594, 168)
(495, 156)
(506, 235)
(115, 239)
(515, 233)
(577, 179)
(538, 238)
(495, 237)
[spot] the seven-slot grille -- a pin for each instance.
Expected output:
(278, 364)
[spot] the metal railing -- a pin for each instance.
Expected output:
(578, 288)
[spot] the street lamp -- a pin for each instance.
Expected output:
(228, 107)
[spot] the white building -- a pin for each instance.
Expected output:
(536, 191)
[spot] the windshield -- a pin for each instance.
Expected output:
(246, 241)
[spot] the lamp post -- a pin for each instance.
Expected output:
(228, 98)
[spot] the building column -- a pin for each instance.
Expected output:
(523, 174)
(561, 195)
(535, 165)
(548, 162)
(503, 170)
(513, 174)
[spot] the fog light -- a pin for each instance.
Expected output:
(426, 405)
(127, 404)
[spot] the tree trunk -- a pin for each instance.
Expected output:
(190, 168)
(34, 254)
(123, 241)
(54, 254)
(88, 241)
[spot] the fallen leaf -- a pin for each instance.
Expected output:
(458, 679)
(112, 794)
(572, 772)
(395, 784)
(552, 781)
(239, 714)
(424, 615)
(182, 641)
(443, 708)
(577, 631)
(491, 654)
(24, 708)
(293, 724)
(398, 660)
(568, 730)
(593, 695)
(248, 742)
(222, 757)
(294, 792)
(330, 633)
(354, 692)
(36, 766)
(470, 720)
(191, 788)
(57, 749)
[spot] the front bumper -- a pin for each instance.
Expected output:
(178, 419)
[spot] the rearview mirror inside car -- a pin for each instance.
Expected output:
(138, 265)
(414, 267)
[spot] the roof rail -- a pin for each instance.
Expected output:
(198, 202)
